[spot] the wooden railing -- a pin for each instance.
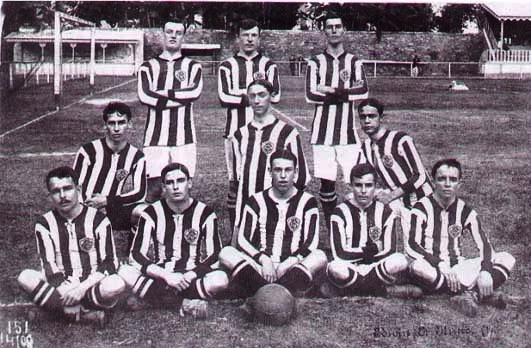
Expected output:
(510, 56)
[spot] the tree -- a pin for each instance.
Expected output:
(454, 17)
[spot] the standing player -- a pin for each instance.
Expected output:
(363, 240)
(278, 236)
(234, 75)
(396, 160)
(184, 235)
(439, 223)
(77, 254)
(254, 143)
(334, 80)
(168, 85)
(105, 165)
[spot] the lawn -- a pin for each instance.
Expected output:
(486, 128)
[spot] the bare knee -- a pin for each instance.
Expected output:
(129, 274)
(28, 279)
(229, 257)
(423, 269)
(395, 263)
(337, 270)
(112, 285)
(216, 282)
(315, 261)
(505, 259)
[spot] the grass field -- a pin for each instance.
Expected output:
(486, 128)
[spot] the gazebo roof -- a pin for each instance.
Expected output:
(509, 11)
(81, 35)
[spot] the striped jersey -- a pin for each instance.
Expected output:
(352, 228)
(169, 88)
(252, 147)
(398, 164)
(333, 124)
(103, 171)
(73, 250)
(279, 228)
(234, 76)
(436, 233)
(187, 241)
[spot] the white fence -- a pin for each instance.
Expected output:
(510, 56)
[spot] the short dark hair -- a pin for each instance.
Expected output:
(174, 166)
(332, 15)
(118, 107)
(362, 169)
(450, 162)
(375, 103)
(246, 24)
(261, 82)
(176, 20)
(61, 173)
(284, 154)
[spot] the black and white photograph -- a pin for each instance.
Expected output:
(265, 174)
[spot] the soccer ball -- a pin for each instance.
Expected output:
(273, 304)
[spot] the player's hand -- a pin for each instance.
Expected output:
(325, 89)
(73, 296)
(485, 284)
(369, 250)
(268, 269)
(190, 276)
(176, 280)
(286, 265)
(65, 287)
(97, 201)
(451, 280)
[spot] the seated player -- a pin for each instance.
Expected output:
(363, 241)
(278, 236)
(106, 165)
(439, 223)
(183, 233)
(76, 248)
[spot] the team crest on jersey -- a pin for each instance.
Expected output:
(86, 244)
(455, 231)
(344, 75)
(121, 174)
(268, 147)
(191, 235)
(294, 223)
(388, 161)
(259, 75)
(180, 75)
(375, 233)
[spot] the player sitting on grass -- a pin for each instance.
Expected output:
(439, 223)
(278, 235)
(105, 165)
(363, 241)
(76, 248)
(183, 233)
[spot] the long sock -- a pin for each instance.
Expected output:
(297, 278)
(247, 278)
(47, 297)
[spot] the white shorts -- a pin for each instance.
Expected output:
(326, 158)
(468, 269)
(157, 157)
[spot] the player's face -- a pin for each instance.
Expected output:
(369, 120)
(176, 186)
(117, 127)
(260, 99)
(173, 36)
(334, 30)
(249, 40)
(364, 189)
(447, 183)
(283, 174)
(63, 194)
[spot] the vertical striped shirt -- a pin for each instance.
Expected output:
(398, 164)
(436, 233)
(187, 241)
(333, 124)
(252, 147)
(234, 76)
(168, 88)
(353, 227)
(279, 228)
(73, 250)
(103, 171)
